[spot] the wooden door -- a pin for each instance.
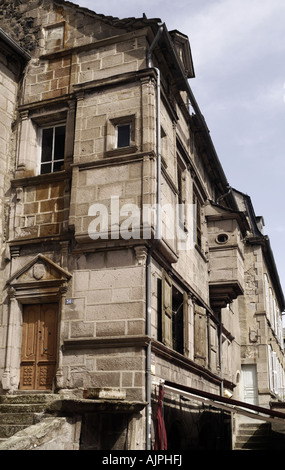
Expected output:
(39, 346)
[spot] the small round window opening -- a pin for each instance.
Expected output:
(222, 238)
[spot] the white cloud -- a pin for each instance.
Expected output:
(232, 31)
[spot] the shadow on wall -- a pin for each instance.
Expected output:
(197, 428)
(104, 431)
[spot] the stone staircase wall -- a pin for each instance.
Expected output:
(26, 423)
(253, 437)
(258, 437)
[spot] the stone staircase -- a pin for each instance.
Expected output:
(259, 436)
(253, 436)
(17, 412)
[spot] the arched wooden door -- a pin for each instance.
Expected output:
(39, 346)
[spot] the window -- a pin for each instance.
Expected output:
(181, 192)
(213, 346)
(166, 319)
(197, 221)
(200, 335)
(274, 370)
(177, 320)
(267, 302)
(180, 195)
(52, 149)
(123, 135)
(174, 316)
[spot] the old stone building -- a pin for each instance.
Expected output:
(130, 270)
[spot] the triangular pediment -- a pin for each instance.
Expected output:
(39, 269)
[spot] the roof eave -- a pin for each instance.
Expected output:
(14, 45)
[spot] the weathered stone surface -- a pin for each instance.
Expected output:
(50, 434)
(106, 393)
(89, 72)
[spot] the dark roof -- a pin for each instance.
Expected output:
(264, 240)
(14, 45)
(128, 23)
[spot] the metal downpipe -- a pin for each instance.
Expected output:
(157, 239)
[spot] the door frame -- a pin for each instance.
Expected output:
(37, 362)
(39, 281)
(254, 387)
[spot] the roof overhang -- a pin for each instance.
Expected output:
(14, 46)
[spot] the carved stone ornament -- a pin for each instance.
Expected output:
(39, 271)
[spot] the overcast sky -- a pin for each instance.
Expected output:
(238, 50)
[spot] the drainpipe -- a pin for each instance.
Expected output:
(221, 351)
(224, 195)
(157, 239)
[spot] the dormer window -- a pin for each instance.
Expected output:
(52, 149)
(183, 50)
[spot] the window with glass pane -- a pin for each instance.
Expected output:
(123, 135)
(53, 140)
(197, 221)
(180, 195)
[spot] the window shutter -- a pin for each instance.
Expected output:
(270, 367)
(200, 338)
(185, 325)
(166, 320)
(267, 303)
(213, 333)
(197, 231)
(274, 365)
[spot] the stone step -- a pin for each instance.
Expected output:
(253, 437)
(253, 427)
(18, 411)
(253, 446)
(254, 431)
(22, 408)
(17, 418)
(9, 430)
(28, 398)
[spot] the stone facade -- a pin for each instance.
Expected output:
(101, 131)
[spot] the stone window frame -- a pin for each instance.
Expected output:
(54, 45)
(197, 219)
(112, 148)
(168, 313)
(181, 191)
(33, 120)
(52, 126)
(39, 124)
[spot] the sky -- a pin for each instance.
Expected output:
(238, 50)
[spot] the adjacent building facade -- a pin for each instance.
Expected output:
(128, 261)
